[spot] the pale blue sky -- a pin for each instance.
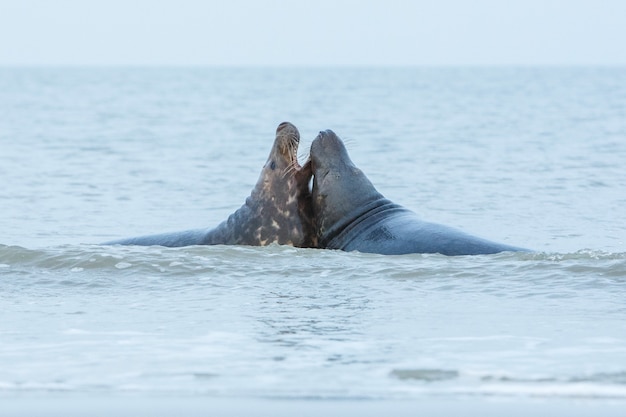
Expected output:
(305, 33)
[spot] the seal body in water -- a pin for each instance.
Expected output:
(350, 214)
(277, 211)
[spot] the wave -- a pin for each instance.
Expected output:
(545, 275)
(79, 258)
(92, 257)
(438, 381)
(404, 384)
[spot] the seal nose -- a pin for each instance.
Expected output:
(283, 126)
(288, 130)
(324, 135)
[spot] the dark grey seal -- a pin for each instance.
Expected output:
(277, 211)
(350, 214)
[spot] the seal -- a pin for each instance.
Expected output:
(278, 209)
(351, 215)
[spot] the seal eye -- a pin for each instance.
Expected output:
(273, 165)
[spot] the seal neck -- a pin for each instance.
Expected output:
(333, 238)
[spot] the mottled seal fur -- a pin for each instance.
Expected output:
(278, 209)
(350, 214)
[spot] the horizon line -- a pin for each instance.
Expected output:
(308, 66)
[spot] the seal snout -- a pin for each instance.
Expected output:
(285, 149)
(325, 133)
(327, 140)
(287, 128)
(282, 126)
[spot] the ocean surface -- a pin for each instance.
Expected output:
(528, 157)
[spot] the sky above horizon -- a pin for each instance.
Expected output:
(320, 33)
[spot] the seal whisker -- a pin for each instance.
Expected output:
(348, 142)
(291, 168)
(304, 156)
(287, 172)
(292, 138)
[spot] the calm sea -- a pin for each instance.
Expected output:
(528, 157)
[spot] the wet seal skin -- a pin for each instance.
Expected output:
(278, 209)
(350, 214)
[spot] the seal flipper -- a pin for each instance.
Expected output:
(173, 239)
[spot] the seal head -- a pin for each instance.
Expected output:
(281, 200)
(339, 187)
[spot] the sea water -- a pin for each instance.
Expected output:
(528, 157)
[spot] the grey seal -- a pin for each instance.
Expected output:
(278, 209)
(351, 215)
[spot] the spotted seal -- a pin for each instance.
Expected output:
(350, 214)
(278, 209)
